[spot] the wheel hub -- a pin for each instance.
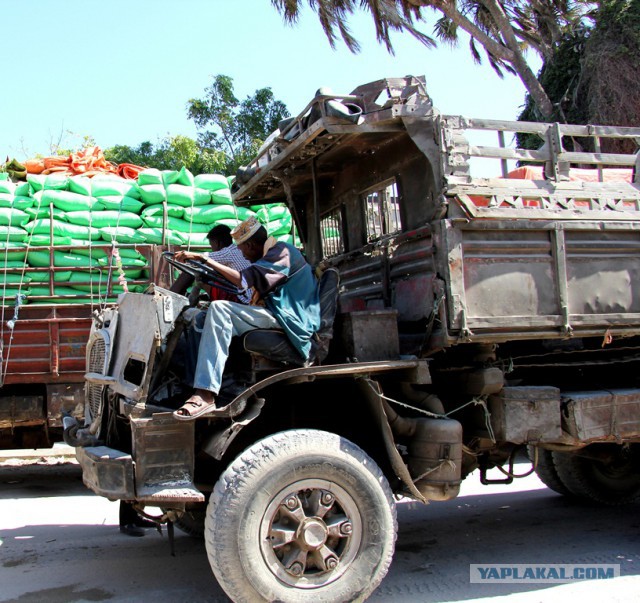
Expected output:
(313, 533)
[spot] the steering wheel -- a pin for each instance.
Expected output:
(201, 272)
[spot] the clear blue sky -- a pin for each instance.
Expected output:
(122, 71)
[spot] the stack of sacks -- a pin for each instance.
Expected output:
(76, 213)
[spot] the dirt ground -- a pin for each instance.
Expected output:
(60, 543)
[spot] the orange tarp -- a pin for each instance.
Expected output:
(87, 162)
(535, 172)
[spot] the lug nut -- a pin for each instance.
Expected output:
(327, 498)
(331, 562)
(295, 568)
(291, 502)
(346, 528)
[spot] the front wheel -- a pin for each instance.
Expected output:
(300, 516)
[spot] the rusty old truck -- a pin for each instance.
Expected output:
(466, 319)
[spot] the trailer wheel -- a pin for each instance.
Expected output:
(300, 516)
(547, 472)
(612, 480)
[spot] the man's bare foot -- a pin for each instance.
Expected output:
(197, 405)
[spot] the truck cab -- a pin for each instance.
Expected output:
(466, 319)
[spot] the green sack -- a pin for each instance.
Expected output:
(149, 176)
(68, 201)
(10, 264)
(90, 249)
(8, 294)
(57, 290)
(80, 185)
(6, 199)
(278, 227)
(13, 217)
(37, 213)
(178, 224)
(12, 252)
(127, 262)
(173, 211)
(197, 239)
(222, 197)
(62, 259)
(56, 182)
(130, 252)
(211, 182)
(119, 203)
(45, 239)
(100, 219)
(43, 277)
(153, 193)
(36, 182)
(95, 281)
(109, 186)
(268, 213)
(184, 177)
(230, 223)
(22, 189)
(8, 187)
(154, 236)
(14, 278)
(12, 234)
(22, 202)
(63, 229)
(210, 213)
(39, 182)
(187, 196)
(121, 234)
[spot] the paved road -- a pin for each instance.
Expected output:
(60, 543)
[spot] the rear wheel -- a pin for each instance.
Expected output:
(547, 472)
(611, 478)
(301, 516)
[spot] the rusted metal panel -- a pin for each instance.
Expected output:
(371, 335)
(107, 472)
(46, 345)
(526, 414)
(602, 415)
(21, 411)
(164, 453)
(510, 279)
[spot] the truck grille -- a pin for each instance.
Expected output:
(96, 363)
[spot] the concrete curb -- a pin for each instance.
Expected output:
(59, 450)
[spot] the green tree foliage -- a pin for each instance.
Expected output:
(593, 75)
(503, 28)
(171, 153)
(232, 127)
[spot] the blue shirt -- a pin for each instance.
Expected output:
(286, 283)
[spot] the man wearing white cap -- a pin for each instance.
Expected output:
(283, 281)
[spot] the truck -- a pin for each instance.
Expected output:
(466, 320)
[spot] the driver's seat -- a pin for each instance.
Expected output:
(275, 345)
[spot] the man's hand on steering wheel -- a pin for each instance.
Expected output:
(182, 256)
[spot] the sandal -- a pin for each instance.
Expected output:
(193, 408)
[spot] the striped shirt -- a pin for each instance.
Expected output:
(232, 257)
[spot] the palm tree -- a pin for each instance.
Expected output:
(503, 28)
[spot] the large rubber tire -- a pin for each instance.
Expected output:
(615, 481)
(547, 472)
(300, 516)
